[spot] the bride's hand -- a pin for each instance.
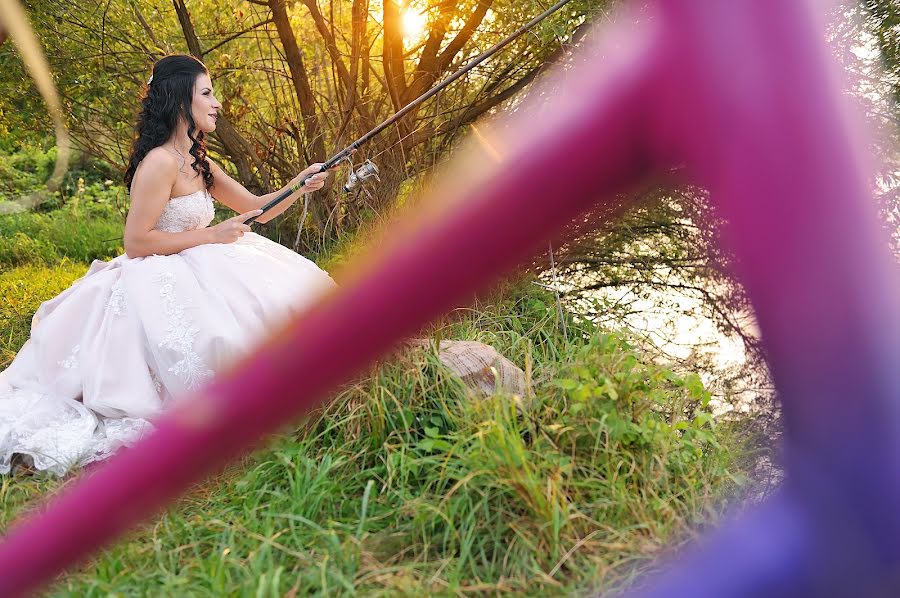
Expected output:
(232, 229)
(316, 181)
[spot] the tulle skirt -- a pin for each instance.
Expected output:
(114, 349)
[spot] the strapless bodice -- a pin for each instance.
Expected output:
(187, 212)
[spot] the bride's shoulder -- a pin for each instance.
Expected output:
(158, 164)
(158, 157)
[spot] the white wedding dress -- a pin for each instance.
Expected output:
(113, 350)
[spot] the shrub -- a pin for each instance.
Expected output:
(46, 238)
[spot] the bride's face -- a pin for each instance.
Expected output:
(204, 107)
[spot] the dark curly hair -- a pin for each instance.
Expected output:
(168, 97)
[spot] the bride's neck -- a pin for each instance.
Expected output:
(180, 141)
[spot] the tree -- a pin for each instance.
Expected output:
(299, 80)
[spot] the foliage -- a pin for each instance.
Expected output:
(25, 170)
(26, 167)
(865, 37)
(883, 21)
(82, 221)
(81, 231)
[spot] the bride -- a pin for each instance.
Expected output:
(185, 300)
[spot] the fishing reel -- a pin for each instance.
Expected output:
(366, 170)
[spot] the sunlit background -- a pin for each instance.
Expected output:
(414, 21)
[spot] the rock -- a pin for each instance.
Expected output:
(479, 366)
(10, 207)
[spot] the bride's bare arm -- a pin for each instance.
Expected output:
(150, 191)
(237, 197)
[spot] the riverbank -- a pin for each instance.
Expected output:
(406, 483)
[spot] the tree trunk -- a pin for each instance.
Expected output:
(315, 143)
(392, 57)
(237, 148)
(315, 148)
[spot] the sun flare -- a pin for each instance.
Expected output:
(414, 23)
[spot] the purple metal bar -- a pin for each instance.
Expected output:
(758, 117)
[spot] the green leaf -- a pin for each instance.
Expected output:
(566, 383)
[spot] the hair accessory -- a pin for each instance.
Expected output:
(150, 80)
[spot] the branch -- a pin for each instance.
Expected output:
(237, 146)
(336, 58)
(636, 263)
(427, 70)
(472, 113)
(330, 44)
(236, 35)
(359, 12)
(464, 35)
(145, 25)
(187, 27)
(392, 57)
(300, 78)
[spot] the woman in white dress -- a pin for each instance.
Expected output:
(185, 300)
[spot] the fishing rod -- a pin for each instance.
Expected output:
(368, 168)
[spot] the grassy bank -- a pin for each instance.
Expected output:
(407, 485)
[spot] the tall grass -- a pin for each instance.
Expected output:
(405, 483)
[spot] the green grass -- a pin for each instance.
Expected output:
(22, 289)
(407, 485)
(47, 238)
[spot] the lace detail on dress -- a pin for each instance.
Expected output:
(156, 382)
(118, 433)
(187, 212)
(116, 303)
(71, 362)
(58, 434)
(180, 335)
